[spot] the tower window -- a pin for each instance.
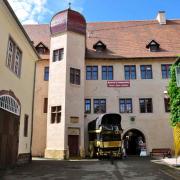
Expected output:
(55, 114)
(58, 55)
(75, 76)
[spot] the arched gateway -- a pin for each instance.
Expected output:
(9, 128)
(133, 136)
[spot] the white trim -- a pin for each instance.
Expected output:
(9, 104)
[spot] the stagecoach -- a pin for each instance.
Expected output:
(105, 136)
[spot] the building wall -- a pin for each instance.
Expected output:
(75, 93)
(61, 92)
(154, 126)
(23, 86)
(40, 118)
(56, 94)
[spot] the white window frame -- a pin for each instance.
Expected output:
(11, 49)
(14, 57)
(10, 104)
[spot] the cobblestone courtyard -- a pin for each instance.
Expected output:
(131, 168)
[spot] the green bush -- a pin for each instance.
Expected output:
(174, 94)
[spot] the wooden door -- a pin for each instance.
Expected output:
(9, 135)
(73, 143)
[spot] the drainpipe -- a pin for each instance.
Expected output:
(30, 160)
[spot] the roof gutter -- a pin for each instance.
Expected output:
(127, 58)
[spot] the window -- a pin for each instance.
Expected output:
(146, 105)
(26, 117)
(99, 46)
(99, 105)
(87, 106)
(167, 104)
(153, 46)
(58, 54)
(130, 72)
(41, 48)
(55, 114)
(8, 103)
(146, 72)
(75, 76)
(91, 72)
(165, 69)
(14, 56)
(46, 74)
(107, 72)
(45, 105)
(125, 105)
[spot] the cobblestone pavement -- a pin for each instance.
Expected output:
(131, 168)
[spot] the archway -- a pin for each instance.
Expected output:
(9, 128)
(132, 137)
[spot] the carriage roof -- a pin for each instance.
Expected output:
(105, 119)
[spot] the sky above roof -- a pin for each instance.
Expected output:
(41, 11)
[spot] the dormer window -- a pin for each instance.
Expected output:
(153, 46)
(99, 46)
(41, 48)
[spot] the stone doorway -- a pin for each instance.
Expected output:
(73, 142)
(133, 136)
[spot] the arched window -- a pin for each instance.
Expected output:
(9, 104)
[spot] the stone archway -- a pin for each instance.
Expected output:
(133, 136)
(9, 128)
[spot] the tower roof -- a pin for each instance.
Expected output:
(68, 20)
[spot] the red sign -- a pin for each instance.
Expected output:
(118, 83)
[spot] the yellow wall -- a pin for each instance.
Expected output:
(23, 86)
(40, 118)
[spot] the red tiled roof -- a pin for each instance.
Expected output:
(123, 39)
(39, 33)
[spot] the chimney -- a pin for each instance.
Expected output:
(161, 17)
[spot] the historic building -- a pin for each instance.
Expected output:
(91, 68)
(17, 67)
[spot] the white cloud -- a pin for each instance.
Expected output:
(29, 11)
(34, 11)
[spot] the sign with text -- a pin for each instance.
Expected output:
(118, 83)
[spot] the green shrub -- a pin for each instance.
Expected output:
(174, 94)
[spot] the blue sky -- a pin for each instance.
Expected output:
(41, 11)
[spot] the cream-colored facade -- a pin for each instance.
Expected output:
(155, 126)
(40, 118)
(22, 86)
(71, 97)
